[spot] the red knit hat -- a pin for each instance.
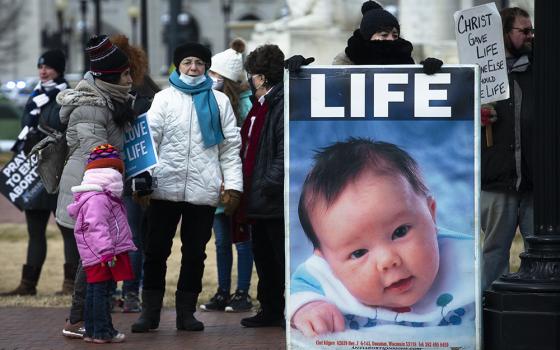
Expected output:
(105, 156)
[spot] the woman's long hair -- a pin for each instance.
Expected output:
(232, 90)
(123, 114)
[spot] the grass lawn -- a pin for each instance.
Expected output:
(13, 246)
(9, 128)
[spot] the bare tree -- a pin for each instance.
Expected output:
(9, 20)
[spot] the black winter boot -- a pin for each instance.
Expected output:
(27, 286)
(151, 310)
(68, 282)
(185, 305)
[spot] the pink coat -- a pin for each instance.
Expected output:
(101, 224)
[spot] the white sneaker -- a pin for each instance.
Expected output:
(118, 338)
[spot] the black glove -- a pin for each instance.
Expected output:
(142, 184)
(294, 63)
(431, 65)
(18, 146)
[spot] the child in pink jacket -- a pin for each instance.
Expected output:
(103, 238)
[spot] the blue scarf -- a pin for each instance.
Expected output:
(206, 108)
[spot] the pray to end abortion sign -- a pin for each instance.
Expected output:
(480, 41)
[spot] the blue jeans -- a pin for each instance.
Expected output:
(224, 256)
(97, 315)
(135, 215)
(501, 214)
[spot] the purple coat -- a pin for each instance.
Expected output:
(101, 224)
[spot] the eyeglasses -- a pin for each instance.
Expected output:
(196, 63)
(249, 76)
(525, 31)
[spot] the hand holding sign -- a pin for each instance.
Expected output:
(480, 41)
(488, 116)
(140, 153)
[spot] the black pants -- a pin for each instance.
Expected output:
(79, 296)
(37, 221)
(196, 230)
(268, 253)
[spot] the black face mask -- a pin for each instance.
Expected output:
(252, 85)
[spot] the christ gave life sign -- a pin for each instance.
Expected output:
(480, 41)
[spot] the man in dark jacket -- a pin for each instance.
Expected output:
(262, 204)
(507, 187)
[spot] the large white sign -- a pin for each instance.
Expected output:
(355, 238)
(480, 41)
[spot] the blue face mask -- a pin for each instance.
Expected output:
(217, 84)
(192, 81)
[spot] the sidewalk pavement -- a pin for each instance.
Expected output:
(41, 329)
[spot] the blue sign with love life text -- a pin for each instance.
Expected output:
(139, 150)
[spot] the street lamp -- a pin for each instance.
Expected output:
(83, 12)
(134, 14)
(226, 9)
(63, 30)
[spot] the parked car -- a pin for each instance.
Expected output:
(19, 90)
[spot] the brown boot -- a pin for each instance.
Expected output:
(27, 286)
(68, 282)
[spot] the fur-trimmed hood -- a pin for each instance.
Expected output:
(85, 94)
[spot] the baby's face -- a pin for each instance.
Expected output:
(379, 238)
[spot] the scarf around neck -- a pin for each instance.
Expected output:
(361, 51)
(206, 108)
(46, 88)
(118, 93)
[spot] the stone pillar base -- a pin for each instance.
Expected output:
(521, 320)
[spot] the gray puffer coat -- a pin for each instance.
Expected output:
(88, 112)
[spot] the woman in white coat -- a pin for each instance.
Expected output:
(198, 142)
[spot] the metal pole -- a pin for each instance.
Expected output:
(134, 29)
(226, 9)
(144, 25)
(174, 10)
(98, 29)
(83, 12)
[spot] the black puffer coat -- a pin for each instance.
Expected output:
(266, 197)
(507, 165)
(49, 116)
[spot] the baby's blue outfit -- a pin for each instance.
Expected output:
(450, 300)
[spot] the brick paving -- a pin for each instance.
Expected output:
(40, 329)
(10, 214)
(29, 328)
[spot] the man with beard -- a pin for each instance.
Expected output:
(507, 186)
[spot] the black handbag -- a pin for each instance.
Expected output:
(52, 154)
(33, 137)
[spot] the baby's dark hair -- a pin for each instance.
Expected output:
(341, 163)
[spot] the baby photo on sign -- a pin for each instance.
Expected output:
(381, 234)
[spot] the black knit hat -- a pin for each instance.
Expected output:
(54, 59)
(105, 58)
(194, 50)
(376, 19)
